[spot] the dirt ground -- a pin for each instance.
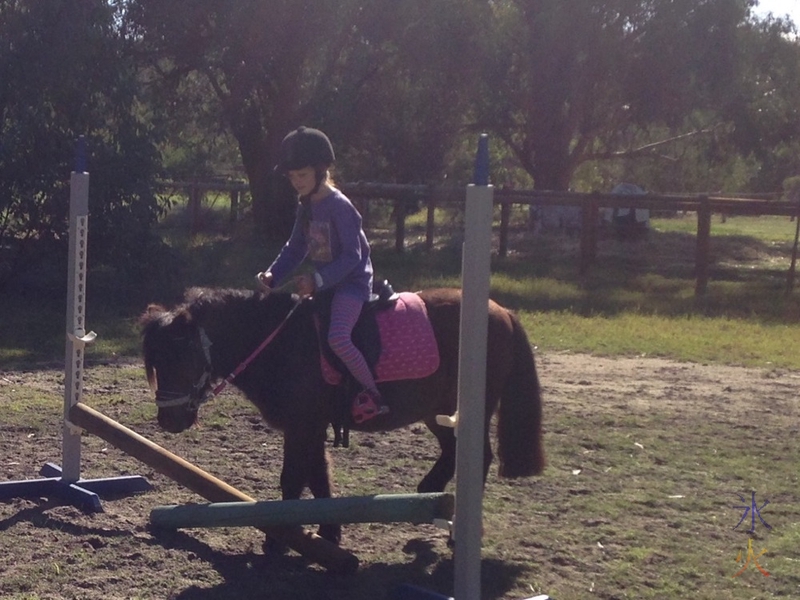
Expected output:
(48, 550)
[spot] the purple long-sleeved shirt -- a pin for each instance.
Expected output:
(334, 242)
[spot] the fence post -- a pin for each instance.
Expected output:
(429, 224)
(194, 207)
(703, 245)
(474, 319)
(590, 212)
(792, 266)
(234, 216)
(505, 218)
(76, 335)
(400, 225)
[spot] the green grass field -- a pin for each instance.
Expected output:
(637, 299)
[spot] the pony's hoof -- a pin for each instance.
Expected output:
(273, 547)
(332, 533)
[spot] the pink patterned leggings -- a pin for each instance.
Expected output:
(345, 310)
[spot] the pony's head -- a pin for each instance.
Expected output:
(178, 365)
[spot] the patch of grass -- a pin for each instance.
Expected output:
(637, 298)
(690, 338)
(30, 407)
(767, 228)
(661, 514)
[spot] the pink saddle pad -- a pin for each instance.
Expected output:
(408, 345)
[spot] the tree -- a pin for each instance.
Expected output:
(568, 80)
(64, 71)
(408, 117)
(764, 108)
(264, 61)
(386, 76)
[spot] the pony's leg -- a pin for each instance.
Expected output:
(445, 466)
(305, 462)
(340, 411)
(294, 474)
(487, 452)
(293, 479)
(319, 483)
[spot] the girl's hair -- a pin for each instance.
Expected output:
(329, 177)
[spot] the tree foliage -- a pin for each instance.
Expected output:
(763, 106)
(684, 94)
(568, 81)
(385, 76)
(264, 61)
(65, 72)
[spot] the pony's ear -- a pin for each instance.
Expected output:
(157, 316)
(153, 312)
(155, 309)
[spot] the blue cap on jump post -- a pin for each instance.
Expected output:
(80, 154)
(481, 176)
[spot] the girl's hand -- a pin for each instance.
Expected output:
(264, 279)
(304, 284)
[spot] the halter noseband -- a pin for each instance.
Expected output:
(193, 399)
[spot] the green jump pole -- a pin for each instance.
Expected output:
(310, 545)
(387, 508)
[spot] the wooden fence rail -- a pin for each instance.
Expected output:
(589, 205)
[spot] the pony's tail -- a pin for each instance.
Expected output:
(519, 425)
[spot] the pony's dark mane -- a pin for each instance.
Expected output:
(201, 301)
(196, 300)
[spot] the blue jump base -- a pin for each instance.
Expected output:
(84, 493)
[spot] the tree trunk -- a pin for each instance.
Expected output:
(552, 168)
(274, 200)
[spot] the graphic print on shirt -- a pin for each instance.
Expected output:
(319, 241)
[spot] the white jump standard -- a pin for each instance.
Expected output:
(65, 482)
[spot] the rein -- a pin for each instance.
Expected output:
(193, 399)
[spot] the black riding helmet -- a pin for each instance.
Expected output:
(305, 147)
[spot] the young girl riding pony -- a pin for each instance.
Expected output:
(327, 231)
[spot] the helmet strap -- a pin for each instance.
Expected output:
(320, 175)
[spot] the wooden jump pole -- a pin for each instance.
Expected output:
(386, 508)
(188, 475)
